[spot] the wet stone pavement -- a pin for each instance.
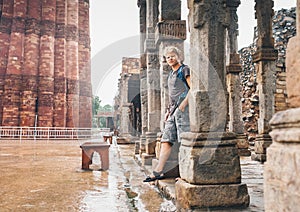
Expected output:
(47, 176)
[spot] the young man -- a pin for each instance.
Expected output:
(177, 115)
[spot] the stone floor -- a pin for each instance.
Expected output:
(47, 176)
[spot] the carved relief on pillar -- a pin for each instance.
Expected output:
(264, 13)
(233, 32)
(171, 29)
(212, 11)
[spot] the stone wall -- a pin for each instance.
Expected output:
(284, 27)
(45, 63)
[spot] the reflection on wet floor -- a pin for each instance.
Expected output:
(47, 176)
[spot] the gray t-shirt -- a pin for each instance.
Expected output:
(176, 85)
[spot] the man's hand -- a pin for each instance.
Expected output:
(183, 104)
(167, 115)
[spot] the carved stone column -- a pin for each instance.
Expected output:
(233, 81)
(143, 76)
(281, 175)
(208, 160)
(60, 84)
(153, 86)
(264, 59)
(125, 107)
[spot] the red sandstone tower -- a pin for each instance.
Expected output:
(45, 63)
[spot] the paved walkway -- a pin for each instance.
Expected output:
(47, 176)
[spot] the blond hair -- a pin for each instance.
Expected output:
(173, 49)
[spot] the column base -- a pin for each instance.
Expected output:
(243, 145)
(147, 159)
(150, 144)
(191, 196)
(142, 145)
(258, 157)
(263, 141)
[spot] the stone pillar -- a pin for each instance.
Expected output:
(208, 159)
(60, 102)
(169, 10)
(5, 30)
(233, 81)
(143, 76)
(125, 125)
(72, 71)
(153, 86)
(281, 175)
(125, 122)
(13, 77)
(31, 65)
(85, 86)
(265, 64)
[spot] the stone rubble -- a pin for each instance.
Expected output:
(284, 27)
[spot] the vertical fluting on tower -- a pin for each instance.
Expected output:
(28, 106)
(13, 76)
(72, 64)
(5, 30)
(85, 89)
(60, 86)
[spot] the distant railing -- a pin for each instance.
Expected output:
(31, 133)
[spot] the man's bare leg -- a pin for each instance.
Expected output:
(165, 151)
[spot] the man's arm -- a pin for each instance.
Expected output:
(185, 102)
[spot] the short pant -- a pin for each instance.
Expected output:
(177, 123)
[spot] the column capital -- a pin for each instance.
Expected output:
(265, 53)
(234, 65)
(170, 30)
(209, 11)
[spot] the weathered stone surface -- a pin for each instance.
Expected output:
(147, 159)
(286, 126)
(191, 196)
(209, 158)
(262, 143)
(293, 73)
(281, 180)
(168, 30)
(200, 116)
(150, 144)
(209, 165)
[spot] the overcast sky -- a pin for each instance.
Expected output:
(114, 28)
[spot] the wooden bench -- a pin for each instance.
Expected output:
(88, 149)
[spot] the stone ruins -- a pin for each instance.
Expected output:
(237, 97)
(250, 84)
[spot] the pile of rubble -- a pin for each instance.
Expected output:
(284, 27)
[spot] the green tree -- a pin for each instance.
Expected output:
(96, 105)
